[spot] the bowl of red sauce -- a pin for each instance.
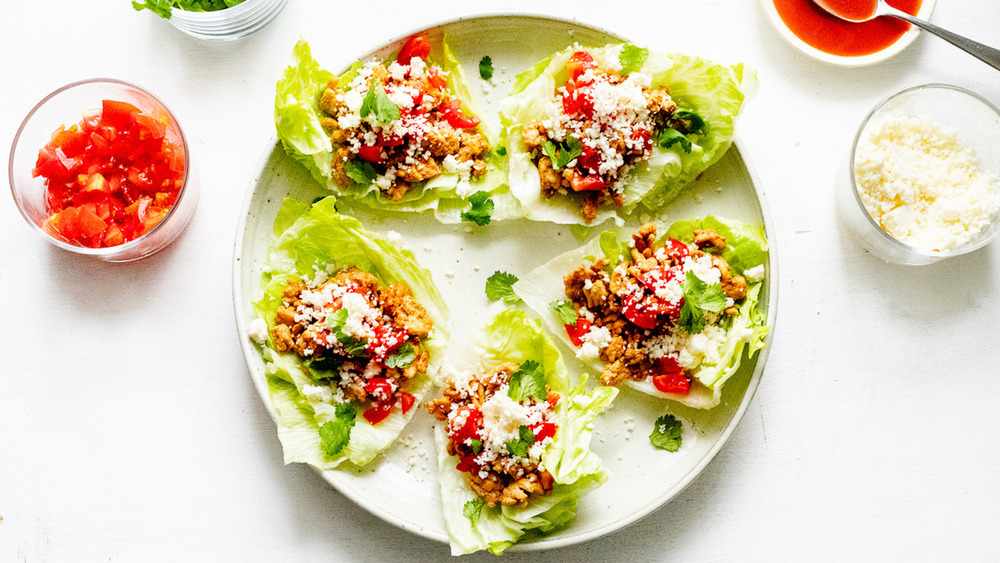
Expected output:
(831, 40)
(101, 168)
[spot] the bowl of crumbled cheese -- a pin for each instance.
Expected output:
(923, 176)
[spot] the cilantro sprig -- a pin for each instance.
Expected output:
(403, 357)
(474, 509)
(353, 346)
(561, 153)
(377, 101)
(527, 381)
(666, 433)
(486, 68)
(698, 298)
(499, 286)
(520, 446)
(481, 209)
(336, 433)
(361, 172)
(164, 8)
(564, 308)
(632, 58)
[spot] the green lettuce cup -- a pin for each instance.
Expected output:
(696, 335)
(330, 409)
(554, 439)
(358, 174)
(685, 132)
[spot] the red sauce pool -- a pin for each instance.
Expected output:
(838, 37)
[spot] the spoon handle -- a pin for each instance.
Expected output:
(988, 55)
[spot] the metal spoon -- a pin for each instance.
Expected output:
(988, 55)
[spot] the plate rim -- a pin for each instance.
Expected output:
(251, 355)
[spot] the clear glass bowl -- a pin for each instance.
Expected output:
(65, 106)
(232, 23)
(977, 123)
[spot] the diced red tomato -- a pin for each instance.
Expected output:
(676, 249)
(466, 464)
(379, 388)
(120, 115)
(435, 80)
(111, 177)
(643, 136)
(469, 429)
(638, 313)
(589, 159)
(590, 182)
(577, 331)
(389, 140)
(552, 398)
(578, 63)
(378, 413)
(672, 378)
(417, 46)
(452, 112)
(370, 153)
(544, 430)
(406, 401)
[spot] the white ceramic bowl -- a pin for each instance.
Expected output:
(977, 123)
(232, 23)
(924, 13)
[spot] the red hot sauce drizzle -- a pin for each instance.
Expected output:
(838, 37)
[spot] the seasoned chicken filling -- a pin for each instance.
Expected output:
(396, 126)
(498, 439)
(600, 124)
(365, 340)
(639, 318)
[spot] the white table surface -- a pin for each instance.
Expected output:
(130, 431)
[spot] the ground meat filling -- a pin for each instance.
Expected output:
(428, 135)
(628, 316)
(365, 339)
(482, 422)
(601, 124)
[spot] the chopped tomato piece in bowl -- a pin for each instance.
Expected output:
(101, 168)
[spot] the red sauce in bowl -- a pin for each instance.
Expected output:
(838, 37)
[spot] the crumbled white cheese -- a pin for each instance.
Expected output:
(257, 331)
(922, 185)
(754, 274)
(596, 339)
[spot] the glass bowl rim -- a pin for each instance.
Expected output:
(109, 250)
(882, 233)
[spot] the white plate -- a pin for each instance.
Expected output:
(924, 13)
(401, 487)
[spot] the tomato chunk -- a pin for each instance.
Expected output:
(111, 177)
(578, 63)
(672, 378)
(406, 401)
(417, 46)
(577, 331)
(378, 413)
(588, 183)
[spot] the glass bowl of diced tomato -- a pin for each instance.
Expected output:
(101, 168)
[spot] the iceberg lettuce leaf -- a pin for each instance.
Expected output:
(745, 332)
(715, 92)
(297, 119)
(512, 336)
(310, 238)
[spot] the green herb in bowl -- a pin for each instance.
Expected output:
(163, 8)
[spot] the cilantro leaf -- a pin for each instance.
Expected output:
(352, 346)
(161, 8)
(666, 433)
(699, 296)
(482, 208)
(486, 68)
(670, 137)
(498, 286)
(564, 308)
(360, 171)
(403, 357)
(376, 101)
(692, 122)
(527, 381)
(336, 433)
(476, 445)
(561, 153)
(632, 58)
(324, 363)
(502, 150)
(520, 447)
(474, 509)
